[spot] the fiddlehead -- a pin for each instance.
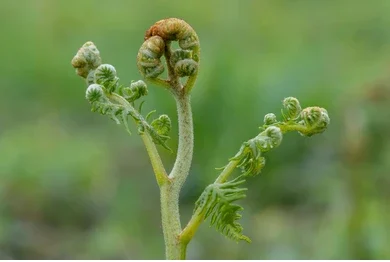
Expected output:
(162, 125)
(250, 157)
(174, 29)
(149, 57)
(251, 160)
(292, 108)
(87, 59)
(183, 62)
(135, 91)
(110, 98)
(315, 119)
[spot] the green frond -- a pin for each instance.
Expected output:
(216, 202)
(105, 75)
(162, 125)
(94, 93)
(270, 119)
(135, 91)
(315, 119)
(292, 108)
(250, 156)
(158, 139)
(97, 95)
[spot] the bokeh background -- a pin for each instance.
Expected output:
(75, 185)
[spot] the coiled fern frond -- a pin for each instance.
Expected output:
(110, 98)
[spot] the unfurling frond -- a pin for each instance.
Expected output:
(292, 108)
(250, 156)
(270, 119)
(87, 58)
(100, 103)
(116, 101)
(217, 202)
(162, 125)
(315, 119)
(135, 91)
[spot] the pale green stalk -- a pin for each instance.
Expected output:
(170, 192)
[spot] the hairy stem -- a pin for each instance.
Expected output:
(155, 159)
(170, 186)
(158, 167)
(170, 218)
(170, 192)
(292, 127)
(227, 171)
(186, 141)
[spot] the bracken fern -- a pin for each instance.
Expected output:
(218, 202)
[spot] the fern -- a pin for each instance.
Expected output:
(216, 202)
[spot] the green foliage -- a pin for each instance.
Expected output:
(109, 98)
(216, 202)
(292, 108)
(315, 119)
(162, 125)
(309, 121)
(105, 75)
(136, 90)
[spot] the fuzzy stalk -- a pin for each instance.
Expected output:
(155, 159)
(170, 192)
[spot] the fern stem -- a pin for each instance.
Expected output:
(227, 171)
(174, 248)
(155, 159)
(158, 167)
(292, 127)
(170, 218)
(185, 149)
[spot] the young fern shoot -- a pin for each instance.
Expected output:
(218, 201)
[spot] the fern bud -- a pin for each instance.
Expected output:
(316, 120)
(138, 89)
(86, 59)
(162, 125)
(292, 108)
(275, 135)
(178, 55)
(94, 93)
(270, 119)
(189, 42)
(148, 58)
(174, 29)
(186, 67)
(105, 73)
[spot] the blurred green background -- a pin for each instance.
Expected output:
(75, 185)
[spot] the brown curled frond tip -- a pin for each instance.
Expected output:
(182, 62)
(174, 29)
